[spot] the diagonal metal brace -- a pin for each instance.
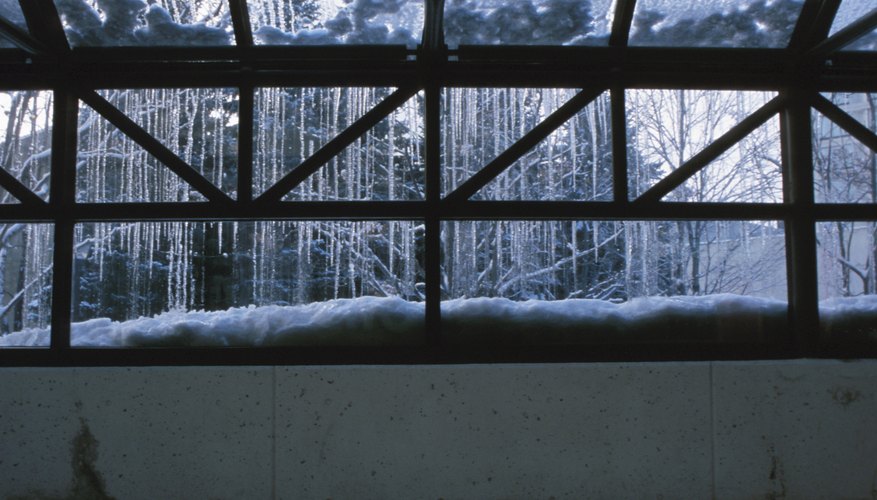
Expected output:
(846, 36)
(862, 133)
(699, 161)
(337, 144)
(524, 144)
(18, 190)
(153, 146)
(240, 19)
(20, 38)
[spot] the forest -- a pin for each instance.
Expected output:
(123, 271)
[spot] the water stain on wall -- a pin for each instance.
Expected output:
(87, 484)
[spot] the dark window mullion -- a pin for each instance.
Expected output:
(801, 224)
(44, 24)
(62, 196)
(432, 245)
(623, 20)
(813, 23)
(240, 19)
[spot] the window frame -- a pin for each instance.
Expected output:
(811, 64)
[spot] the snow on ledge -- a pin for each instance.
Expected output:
(393, 321)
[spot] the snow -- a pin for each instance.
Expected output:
(853, 318)
(383, 321)
(565, 321)
(394, 321)
(133, 22)
(360, 321)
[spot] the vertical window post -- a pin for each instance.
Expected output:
(801, 227)
(62, 198)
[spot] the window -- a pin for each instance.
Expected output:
(292, 181)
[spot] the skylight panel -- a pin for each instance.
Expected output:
(849, 12)
(715, 23)
(332, 22)
(126, 23)
(527, 22)
(10, 10)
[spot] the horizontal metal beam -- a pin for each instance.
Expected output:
(409, 210)
(412, 210)
(575, 67)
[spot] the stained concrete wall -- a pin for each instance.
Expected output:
(803, 429)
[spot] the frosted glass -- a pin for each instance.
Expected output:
(528, 22)
(715, 23)
(329, 22)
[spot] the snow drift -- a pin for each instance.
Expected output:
(393, 321)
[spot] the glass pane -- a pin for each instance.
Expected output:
(867, 43)
(849, 12)
(327, 22)
(248, 283)
(573, 163)
(847, 282)
(591, 281)
(385, 163)
(179, 23)
(748, 172)
(26, 139)
(715, 23)
(845, 170)
(479, 124)
(667, 127)
(25, 284)
(528, 22)
(199, 125)
(11, 11)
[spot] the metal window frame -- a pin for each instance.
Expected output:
(812, 63)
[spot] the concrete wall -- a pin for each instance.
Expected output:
(804, 429)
